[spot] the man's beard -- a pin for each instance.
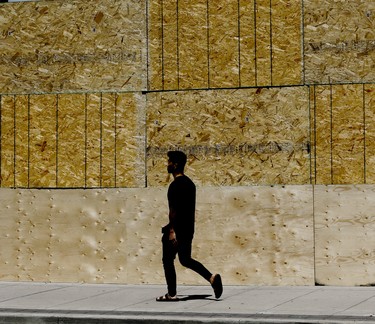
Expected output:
(170, 168)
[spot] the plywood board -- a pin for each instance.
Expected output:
(193, 44)
(71, 140)
(348, 134)
(339, 41)
(257, 235)
(369, 107)
(73, 46)
(199, 44)
(7, 141)
(232, 137)
(344, 218)
(43, 141)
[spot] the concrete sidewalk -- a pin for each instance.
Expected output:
(81, 303)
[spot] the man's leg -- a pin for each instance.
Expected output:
(169, 254)
(184, 254)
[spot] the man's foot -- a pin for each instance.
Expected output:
(167, 298)
(217, 285)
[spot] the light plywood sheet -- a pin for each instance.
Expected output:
(344, 226)
(251, 235)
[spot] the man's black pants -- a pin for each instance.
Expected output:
(183, 249)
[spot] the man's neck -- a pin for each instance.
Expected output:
(178, 174)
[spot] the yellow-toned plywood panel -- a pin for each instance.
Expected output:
(369, 106)
(42, 172)
(347, 134)
(323, 134)
(247, 43)
(114, 235)
(344, 226)
(339, 41)
(76, 45)
(236, 137)
(22, 141)
(192, 38)
(223, 43)
(286, 42)
(71, 140)
(93, 136)
(7, 141)
(263, 43)
(155, 45)
(108, 139)
(130, 135)
(170, 45)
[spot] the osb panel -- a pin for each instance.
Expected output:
(322, 127)
(223, 42)
(348, 134)
(42, 141)
(339, 41)
(75, 45)
(199, 44)
(73, 140)
(7, 141)
(340, 129)
(286, 22)
(193, 38)
(21, 141)
(232, 137)
(369, 101)
(344, 221)
(114, 235)
(263, 42)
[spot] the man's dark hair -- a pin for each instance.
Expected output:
(179, 158)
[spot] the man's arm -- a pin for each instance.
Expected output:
(172, 219)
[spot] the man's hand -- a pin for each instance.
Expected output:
(172, 237)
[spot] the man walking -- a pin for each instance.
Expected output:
(178, 234)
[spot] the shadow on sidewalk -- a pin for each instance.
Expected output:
(195, 297)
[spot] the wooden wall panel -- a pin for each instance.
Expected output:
(344, 225)
(71, 140)
(43, 124)
(114, 235)
(247, 43)
(193, 43)
(7, 141)
(220, 44)
(369, 102)
(286, 44)
(250, 136)
(93, 136)
(348, 134)
(75, 46)
(339, 41)
(21, 141)
(223, 43)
